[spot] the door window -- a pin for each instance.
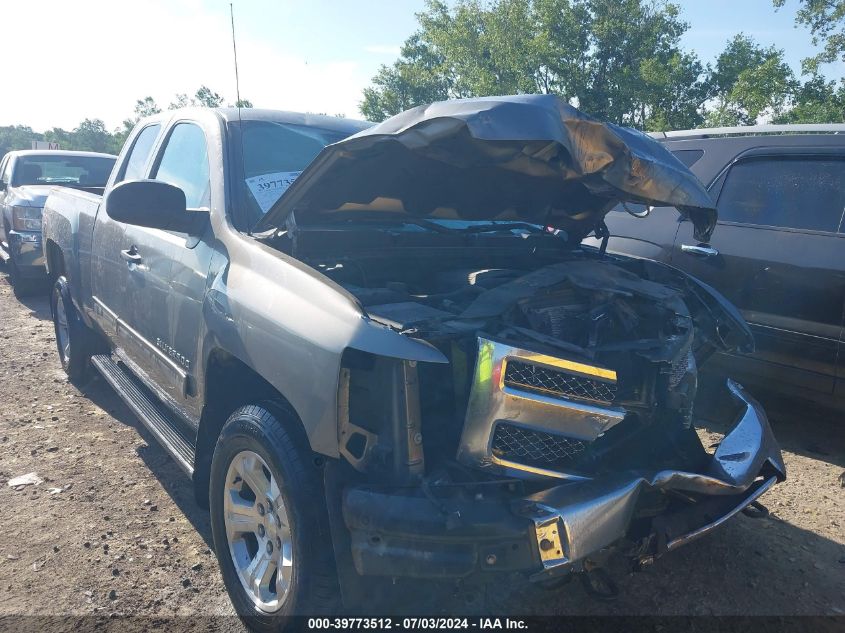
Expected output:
(133, 168)
(799, 193)
(184, 163)
(6, 170)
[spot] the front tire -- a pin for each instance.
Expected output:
(73, 339)
(269, 520)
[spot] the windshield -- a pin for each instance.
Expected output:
(274, 154)
(83, 171)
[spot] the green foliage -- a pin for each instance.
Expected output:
(817, 101)
(749, 81)
(620, 60)
(180, 101)
(826, 21)
(92, 136)
(14, 137)
(205, 97)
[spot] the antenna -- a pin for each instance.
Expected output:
(235, 50)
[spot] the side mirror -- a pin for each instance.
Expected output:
(151, 203)
(636, 209)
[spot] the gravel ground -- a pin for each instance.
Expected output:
(113, 527)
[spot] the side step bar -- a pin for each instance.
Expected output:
(168, 431)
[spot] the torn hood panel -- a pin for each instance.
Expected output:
(531, 158)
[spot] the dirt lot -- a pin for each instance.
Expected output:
(114, 529)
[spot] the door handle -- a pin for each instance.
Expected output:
(699, 249)
(131, 255)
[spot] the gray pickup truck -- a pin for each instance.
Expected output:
(26, 178)
(401, 362)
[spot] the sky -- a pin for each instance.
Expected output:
(67, 61)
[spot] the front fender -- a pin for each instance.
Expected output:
(291, 325)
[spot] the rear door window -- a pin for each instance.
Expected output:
(184, 163)
(133, 167)
(799, 193)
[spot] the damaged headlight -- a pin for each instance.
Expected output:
(26, 218)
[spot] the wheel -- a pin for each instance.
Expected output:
(269, 519)
(22, 286)
(73, 338)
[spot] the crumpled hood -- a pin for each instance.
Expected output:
(531, 158)
(31, 195)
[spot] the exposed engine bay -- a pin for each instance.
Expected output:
(592, 350)
(567, 394)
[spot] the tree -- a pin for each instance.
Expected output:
(204, 97)
(63, 137)
(146, 107)
(14, 137)
(181, 101)
(243, 103)
(207, 98)
(818, 101)
(91, 135)
(826, 21)
(416, 78)
(617, 59)
(748, 82)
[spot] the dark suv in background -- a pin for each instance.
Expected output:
(778, 252)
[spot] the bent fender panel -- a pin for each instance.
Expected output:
(291, 325)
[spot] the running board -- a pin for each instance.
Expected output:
(152, 413)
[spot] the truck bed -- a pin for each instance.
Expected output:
(67, 225)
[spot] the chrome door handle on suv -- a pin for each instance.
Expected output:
(700, 249)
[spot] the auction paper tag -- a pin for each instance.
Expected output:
(268, 188)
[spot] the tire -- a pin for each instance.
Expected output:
(259, 444)
(74, 341)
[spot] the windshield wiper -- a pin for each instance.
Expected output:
(503, 226)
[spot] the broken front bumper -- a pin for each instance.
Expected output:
(407, 532)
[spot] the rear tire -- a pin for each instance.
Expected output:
(263, 475)
(74, 341)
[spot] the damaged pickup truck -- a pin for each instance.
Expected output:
(402, 362)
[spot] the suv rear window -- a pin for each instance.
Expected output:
(800, 193)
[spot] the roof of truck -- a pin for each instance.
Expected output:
(57, 152)
(753, 130)
(233, 115)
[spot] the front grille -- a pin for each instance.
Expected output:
(555, 382)
(536, 448)
(680, 367)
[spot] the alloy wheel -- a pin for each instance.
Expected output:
(258, 531)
